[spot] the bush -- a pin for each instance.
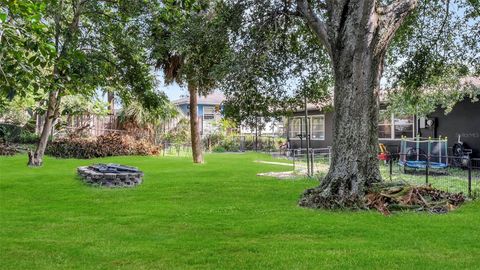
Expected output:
(231, 144)
(16, 134)
(219, 149)
(9, 132)
(112, 144)
(27, 137)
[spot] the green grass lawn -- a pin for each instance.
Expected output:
(219, 215)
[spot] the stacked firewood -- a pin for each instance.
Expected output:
(388, 197)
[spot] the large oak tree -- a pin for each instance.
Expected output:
(356, 35)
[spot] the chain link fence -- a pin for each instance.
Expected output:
(448, 173)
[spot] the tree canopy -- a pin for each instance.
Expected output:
(419, 43)
(278, 57)
(26, 50)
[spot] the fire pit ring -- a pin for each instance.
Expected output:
(110, 175)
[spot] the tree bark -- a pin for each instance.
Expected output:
(53, 110)
(194, 125)
(358, 38)
(35, 158)
(39, 123)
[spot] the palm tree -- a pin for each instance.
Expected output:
(190, 44)
(135, 117)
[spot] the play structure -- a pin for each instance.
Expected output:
(420, 154)
(383, 154)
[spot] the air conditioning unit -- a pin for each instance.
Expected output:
(430, 122)
(425, 122)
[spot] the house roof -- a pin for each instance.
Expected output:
(464, 82)
(215, 98)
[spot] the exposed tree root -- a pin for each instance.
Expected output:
(318, 198)
(34, 160)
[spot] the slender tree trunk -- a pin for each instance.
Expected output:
(35, 158)
(111, 102)
(53, 111)
(357, 45)
(39, 123)
(194, 125)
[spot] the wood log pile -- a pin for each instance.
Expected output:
(7, 149)
(388, 197)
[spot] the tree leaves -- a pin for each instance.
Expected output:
(436, 47)
(190, 42)
(22, 41)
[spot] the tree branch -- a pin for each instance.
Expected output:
(397, 7)
(391, 17)
(319, 27)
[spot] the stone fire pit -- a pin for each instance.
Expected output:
(111, 175)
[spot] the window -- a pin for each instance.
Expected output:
(402, 126)
(295, 127)
(208, 112)
(316, 127)
(385, 126)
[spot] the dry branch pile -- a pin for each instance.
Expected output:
(400, 196)
(112, 144)
(7, 149)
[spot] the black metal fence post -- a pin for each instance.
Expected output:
(390, 165)
(312, 156)
(293, 159)
(469, 177)
(426, 169)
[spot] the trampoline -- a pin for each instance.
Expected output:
(418, 154)
(421, 164)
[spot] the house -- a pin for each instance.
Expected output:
(209, 110)
(463, 121)
(272, 128)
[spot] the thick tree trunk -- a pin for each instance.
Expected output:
(357, 43)
(354, 164)
(35, 158)
(194, 125)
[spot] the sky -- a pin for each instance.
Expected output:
(173, 91)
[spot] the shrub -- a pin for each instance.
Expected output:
(210, 141)
(17, 134)
(112, 144)
(219, 149)
(9, 132)
(231, 144)
(27, 137)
